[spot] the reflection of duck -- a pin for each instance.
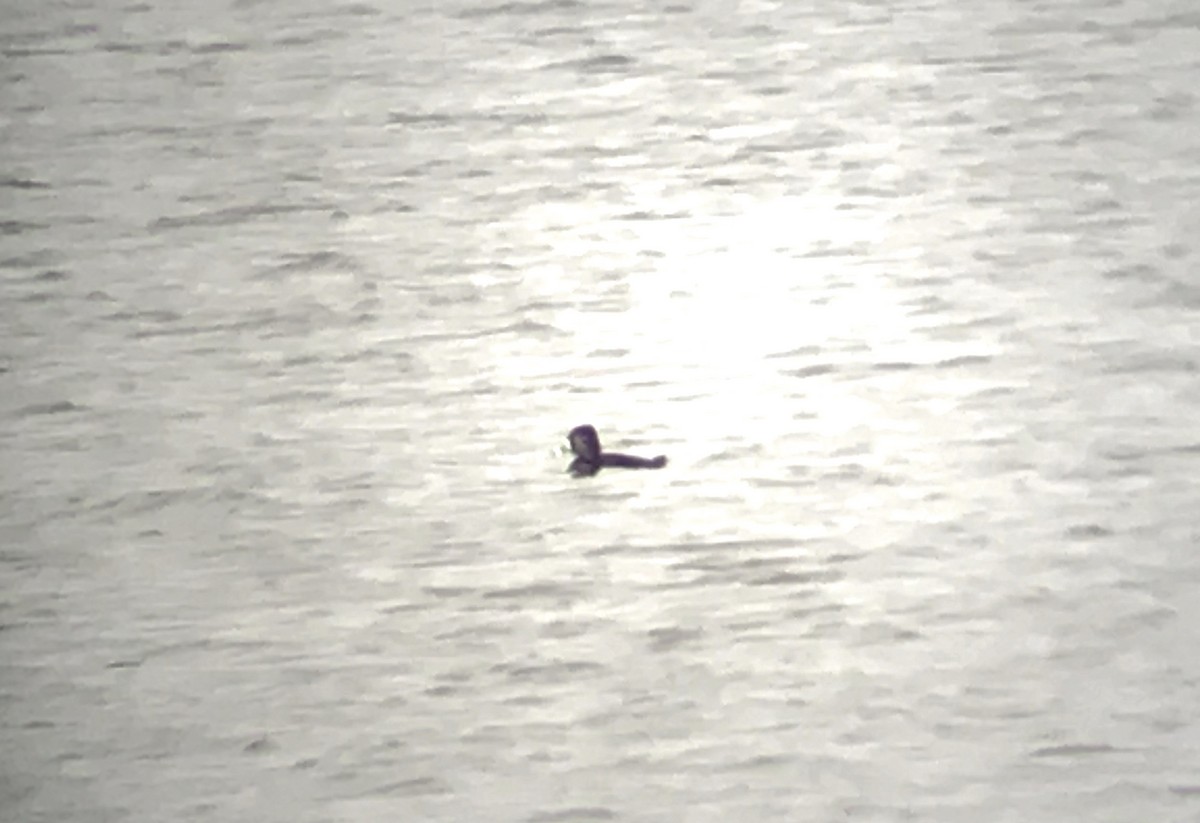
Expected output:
(589, 459)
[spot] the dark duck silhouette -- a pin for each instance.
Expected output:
(589, 458)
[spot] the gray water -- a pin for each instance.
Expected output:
(298, 301)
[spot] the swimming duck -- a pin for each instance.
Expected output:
(589, 458)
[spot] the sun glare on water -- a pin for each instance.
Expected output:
(707, 306)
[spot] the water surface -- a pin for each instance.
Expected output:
(297, 305)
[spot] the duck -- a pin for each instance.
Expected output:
(590, 458)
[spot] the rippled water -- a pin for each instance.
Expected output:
(298, 302)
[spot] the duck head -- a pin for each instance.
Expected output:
(585, 443)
